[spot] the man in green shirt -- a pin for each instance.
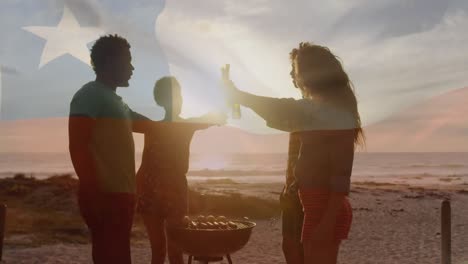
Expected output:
(102, 151)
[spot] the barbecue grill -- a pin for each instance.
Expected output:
(209, 245)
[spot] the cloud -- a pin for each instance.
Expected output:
(397, 53)
(387, 19)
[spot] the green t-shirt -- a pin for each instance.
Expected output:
(112, 143)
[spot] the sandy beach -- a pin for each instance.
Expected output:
(392, 223)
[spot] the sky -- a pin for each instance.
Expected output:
(397, 53)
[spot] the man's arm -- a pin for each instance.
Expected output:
(80, 130)
(140, 123)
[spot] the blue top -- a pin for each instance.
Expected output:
(112, 143)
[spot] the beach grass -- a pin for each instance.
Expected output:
(46, 212)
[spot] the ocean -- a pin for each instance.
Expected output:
(401, 168)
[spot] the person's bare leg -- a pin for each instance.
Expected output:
(293, 251)
(318, 253)
(155, 228)
(174, 253)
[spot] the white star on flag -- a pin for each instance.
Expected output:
(68, 37)
(45, 57)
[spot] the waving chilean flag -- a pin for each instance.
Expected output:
(44, 52)
(398, 56)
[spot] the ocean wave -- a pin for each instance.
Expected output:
(423, 175)
(234, 173)
(356, 174)
(449, 165)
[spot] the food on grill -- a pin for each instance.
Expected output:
(221, 218)
(192, 224)
(201, 218)
(211, 222)
(210, 218)
(232, 224)
(186, 221)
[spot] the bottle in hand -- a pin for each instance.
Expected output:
(236, 111)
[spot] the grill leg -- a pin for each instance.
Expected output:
(229, 258)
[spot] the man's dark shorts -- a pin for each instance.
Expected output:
(109, 217)
(292, 215)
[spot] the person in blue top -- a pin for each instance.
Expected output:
(102, 151)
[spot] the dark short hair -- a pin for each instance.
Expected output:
(163, 90)
(105, 47)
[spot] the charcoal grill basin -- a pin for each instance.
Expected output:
(211, 242)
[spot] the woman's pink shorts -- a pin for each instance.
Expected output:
(314, 203)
